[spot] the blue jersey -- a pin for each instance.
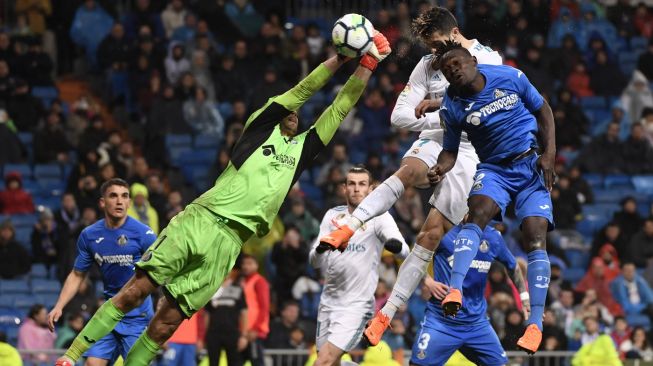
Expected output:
(474, 307)
(498, 120)
(115, 251)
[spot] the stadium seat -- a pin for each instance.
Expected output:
(203, 157)
(14, 287)
(611, 195)
(47, 171)
(39, 271)
(6, 302)
(24, 169)
(24, 236)
(643, 183)
(573, 275)
(589, 225)
(206, 142)
(184, 140)
(639, 320)
(26, 220)
(593, 103)
(24, 301)
(638, 43)
(49, 300)
(594, 180)
(175, 152)
(600, 209)
(46, 93)
(27, 138)
(43, 286)
(613, 181)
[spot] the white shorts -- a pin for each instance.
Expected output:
(341, 327)
(449, 196)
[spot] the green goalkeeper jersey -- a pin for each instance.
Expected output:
(265, 164)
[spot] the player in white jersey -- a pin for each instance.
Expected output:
(351, 276)
(416, 110)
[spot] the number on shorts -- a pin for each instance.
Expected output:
(424, 341)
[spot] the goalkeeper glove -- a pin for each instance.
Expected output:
(380, 50)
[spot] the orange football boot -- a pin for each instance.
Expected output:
(376, 327)
(64, 361)
(338, 239)
(531, 339)
(452, 302)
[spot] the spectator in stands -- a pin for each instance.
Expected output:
(157, 195)
(603, 154)
(610, 258)
(186, 86)
(11, 149)
(568, 133)
(141, 209)
(621, 331)
(553, 330)
(637, 96)
(381, 295)
(375, 113)
(339, 159)
(68, 216)
(632, 292)
(285, 330)
(87, 192)
(270, 86)
(35, 66)
(307, 225)
(166, 116)
(257, 296)
(617, 115)
(563, 308)
(85, 302)
(36, 12)
(114, 51)
(50, 142)
(25, 109)
(595, 280)
(7, 81)
(573, 112)
(143, 14)
(185, 341)
(202, 115)
(640, 247)
(176, 63)
(14, 259)
(35, 335)
(174, 205)
(89, 27)
(14, 199)
(591, 332)
(566, 203)
(629, 222)
(46, 239)
(645, 61)
(536, 67)
(140, 171)
(173, 16)
(578, 81)
(643, 20)
(186, 31)
(290, 256)
(514, 327)
(227, 81)
(227, 322)
(638, 152)
(68, 332)
(200, 64)
(409, 211)
(605, 77)
(637, 347)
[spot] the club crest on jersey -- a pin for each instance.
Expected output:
(498, 94)
(122, 240)
(421, 354)
(484, 247)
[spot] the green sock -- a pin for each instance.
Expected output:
(143, 351)
(103, 322)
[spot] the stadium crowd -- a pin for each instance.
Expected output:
(172, 83)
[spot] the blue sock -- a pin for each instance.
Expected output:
(465, 249)
(539, 272)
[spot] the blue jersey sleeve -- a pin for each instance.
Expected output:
(452, 130)
(84, 256)
(149, 237)
(503, 255)
(531, 98)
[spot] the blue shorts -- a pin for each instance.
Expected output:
(179, 354)
(436, 343)
(117, 343)
(520, 181)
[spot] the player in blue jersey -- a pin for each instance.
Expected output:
(114, 243)
(470, 331)
(502, 114)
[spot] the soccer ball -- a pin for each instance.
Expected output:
(352, 35)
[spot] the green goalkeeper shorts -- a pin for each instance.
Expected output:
(193, 255)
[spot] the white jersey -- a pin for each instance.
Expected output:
(351, 276)
(425, 81)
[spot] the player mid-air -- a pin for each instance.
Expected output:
(198, 248)
(115, 243)
(350, 277)
(503, 114)
(470, 331)
(414, 112)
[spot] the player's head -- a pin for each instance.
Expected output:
(435, 26)
(39, 314)
(290, 124)
(115, 199)
(357, 185)
(457, 65)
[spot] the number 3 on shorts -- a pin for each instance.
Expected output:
(424, 341)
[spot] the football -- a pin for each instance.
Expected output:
(352, 35)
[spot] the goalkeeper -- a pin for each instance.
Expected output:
(198, 248)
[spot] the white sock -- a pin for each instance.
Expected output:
(410, 275)
(378, 202)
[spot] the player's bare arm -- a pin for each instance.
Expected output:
(446, 161)
(517, 278)
(70, 288)
(427, 106)
(438, 289)
(546, 128)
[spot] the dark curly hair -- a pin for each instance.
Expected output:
(448, 46)
(436, 19)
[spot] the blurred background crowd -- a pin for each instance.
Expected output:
(157, 92)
